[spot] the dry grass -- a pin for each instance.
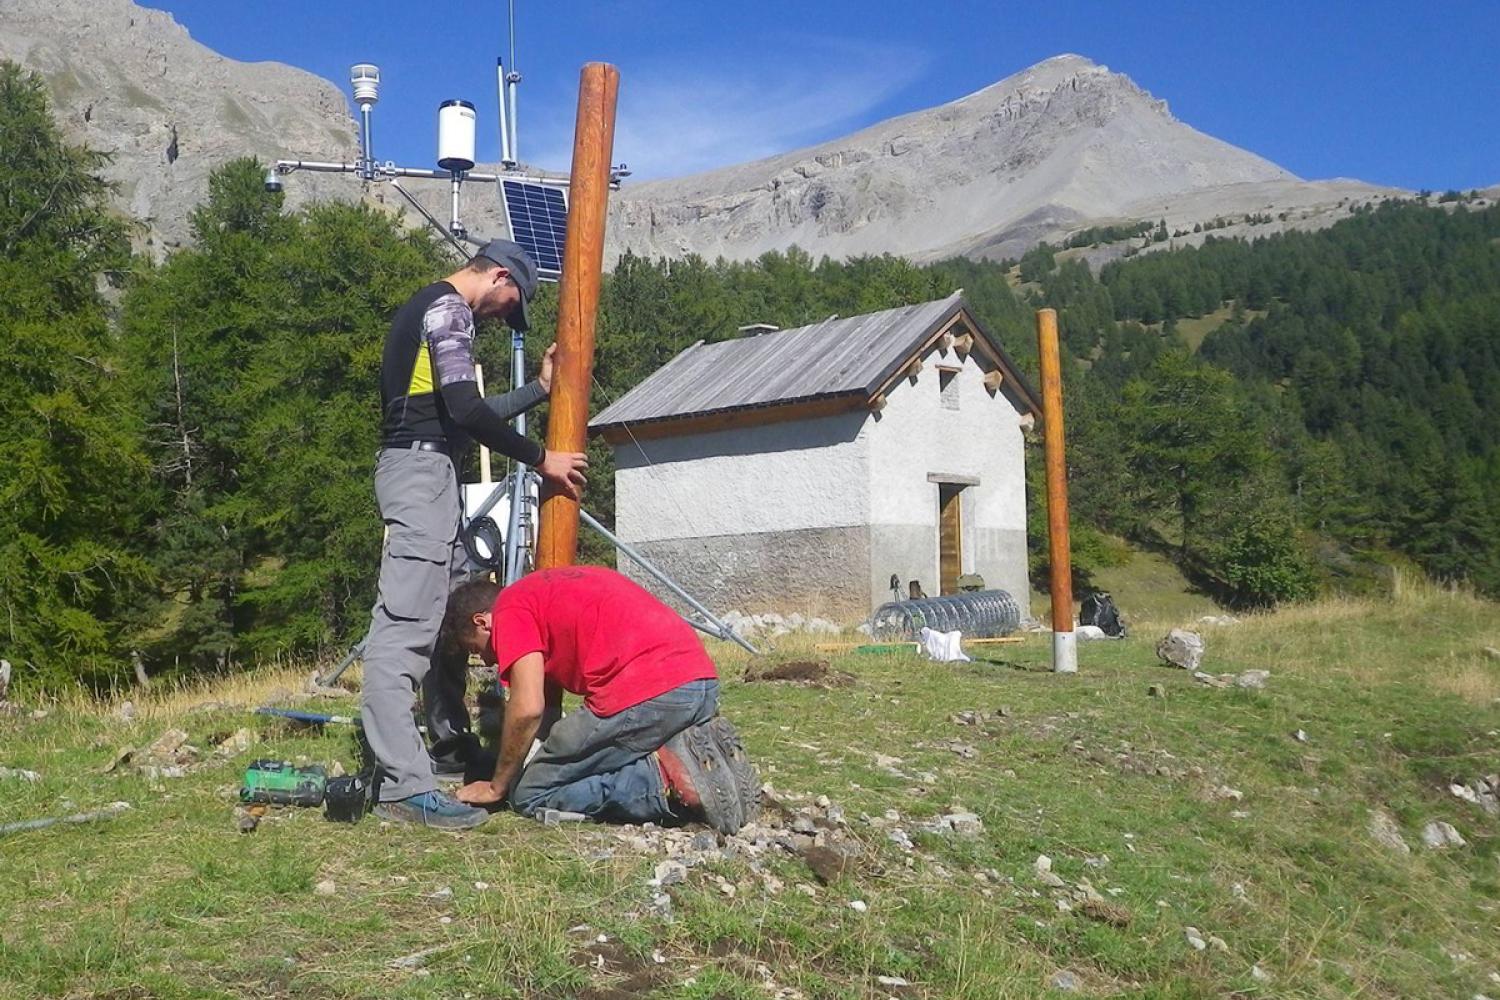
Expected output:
(170, 698)
(1474, 678)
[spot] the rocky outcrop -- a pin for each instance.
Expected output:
(130, 81)
(1064, 144)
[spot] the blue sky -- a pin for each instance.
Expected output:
(1401, 94)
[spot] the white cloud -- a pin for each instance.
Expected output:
(680, 119)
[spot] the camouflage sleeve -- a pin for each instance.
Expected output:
(448, 325)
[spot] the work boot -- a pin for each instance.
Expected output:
(703, 773)
(733, 751)
(432, 809)
(678, 785)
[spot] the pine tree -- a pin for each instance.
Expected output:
(72, 481)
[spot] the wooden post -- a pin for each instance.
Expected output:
(1064, 640)
(578, 299)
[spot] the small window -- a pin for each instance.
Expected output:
(948, 385)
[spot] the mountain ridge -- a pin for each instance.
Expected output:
(132, 82)
(1058, 146)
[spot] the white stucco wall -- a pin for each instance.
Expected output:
(915, 438)
(768, 518)
(775, 477)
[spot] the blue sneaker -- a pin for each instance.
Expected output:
(432, 809)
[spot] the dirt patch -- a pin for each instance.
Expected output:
(630, 977)
(1105, 912)
(811, 673)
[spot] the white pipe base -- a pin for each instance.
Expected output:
(1065, 652)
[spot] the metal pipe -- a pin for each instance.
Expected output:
(505, 158)
(518, 483)
(515, 125)
(431, 220)
(391, 170)
(725, 632)
(108, 812)
(316, 166)
(455, 226)
(356, 652)
(367, 163)
(485, 477)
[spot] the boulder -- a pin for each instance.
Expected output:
(1181, 648)
(1386, 833)
(1438, 835)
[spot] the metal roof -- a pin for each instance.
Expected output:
(838, 357)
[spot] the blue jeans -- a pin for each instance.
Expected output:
(602, 766)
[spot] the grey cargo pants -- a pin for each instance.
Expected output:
(418, 495)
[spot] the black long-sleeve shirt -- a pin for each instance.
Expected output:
(429, 390)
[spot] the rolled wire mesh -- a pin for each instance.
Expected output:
(983, 614)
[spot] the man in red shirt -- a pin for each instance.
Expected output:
(647, 744)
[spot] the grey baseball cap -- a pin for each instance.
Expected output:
(509, 255)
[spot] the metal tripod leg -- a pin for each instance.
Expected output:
(724, 631)
(356, 652)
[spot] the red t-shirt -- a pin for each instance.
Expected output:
(601, 635)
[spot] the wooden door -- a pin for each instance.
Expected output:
(950, 537)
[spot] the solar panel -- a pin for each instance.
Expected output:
(538, 218)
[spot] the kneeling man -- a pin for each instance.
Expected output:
(648, 743)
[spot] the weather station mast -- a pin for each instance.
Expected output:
(559, 221)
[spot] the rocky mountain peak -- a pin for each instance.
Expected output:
(1060, 77)
(1058, 146)
(131, 81)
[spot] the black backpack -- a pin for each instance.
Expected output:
(1099, 609)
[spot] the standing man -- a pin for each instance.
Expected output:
(431, 408)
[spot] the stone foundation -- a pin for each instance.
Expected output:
(822, 572)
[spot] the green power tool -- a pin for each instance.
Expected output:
(280, 783)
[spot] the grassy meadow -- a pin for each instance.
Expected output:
(1191, 807)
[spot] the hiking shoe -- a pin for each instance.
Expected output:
(707, 777)
(733, 751)
(432, 809)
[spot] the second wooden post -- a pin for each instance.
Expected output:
(578, 299)
(1064, 639)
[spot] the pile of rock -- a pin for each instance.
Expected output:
(1080, 896)
(1184, 649)
(1250, 680)
(771, 625)
(814, 831)
(170, 755)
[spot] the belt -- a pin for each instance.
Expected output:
(442, 447)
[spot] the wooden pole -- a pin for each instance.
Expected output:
(1064, 640)
(578, 299)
